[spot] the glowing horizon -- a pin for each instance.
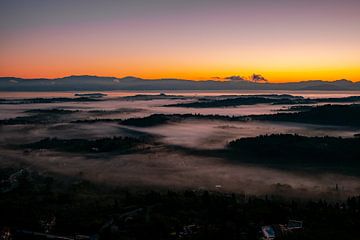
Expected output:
(284, 41)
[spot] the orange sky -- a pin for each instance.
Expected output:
(283, 41)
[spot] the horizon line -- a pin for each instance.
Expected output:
(217, 79)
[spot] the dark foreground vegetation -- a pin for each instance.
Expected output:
(33, 203)
(119, 144)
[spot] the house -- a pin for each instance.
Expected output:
(274, 231)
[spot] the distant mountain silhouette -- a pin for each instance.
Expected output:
(95, 83)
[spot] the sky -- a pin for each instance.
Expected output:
(284, 40)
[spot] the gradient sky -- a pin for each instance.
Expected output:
(285, 40)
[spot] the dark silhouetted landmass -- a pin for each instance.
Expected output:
(119, 144)
(95, 83)
(58, 115)
(292, 149)
(243, 100)
(270, 99)
(337, 100)
(341, 115)
(159, 119)
(90, 95)
(46, 100)
(97, 120)
(41, 118)
(150, 121)
(148, 97)
(296, 108)
(52, 111)
(120, 110)
(350, 99)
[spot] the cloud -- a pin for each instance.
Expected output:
(236, 78)
(253, 78)
(257, 78)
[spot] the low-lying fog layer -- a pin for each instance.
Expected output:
(141, 108)
(173, 170)
(161, 167)
(210, 134)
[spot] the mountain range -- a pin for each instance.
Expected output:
(97, 83)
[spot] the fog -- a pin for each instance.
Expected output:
(210, 134)
(163, 166)
(165, 169)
